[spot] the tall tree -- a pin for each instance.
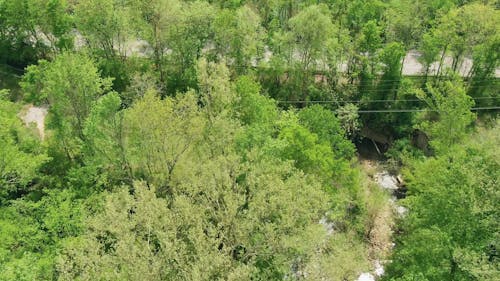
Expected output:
(105, 137)
(33, 29)
(159, 135)
(308, 45)
(238, 37)
(244, 229)
(70, 85)
(104, 25)
(106, 30)
(451, 105)
(190, 41)
(463, 29)
(451, 232)
(158, 19)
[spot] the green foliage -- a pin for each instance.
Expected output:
(21, 155)
(311, 32)
(215, 88)
(159, 134)
(404, 22)
(391, 57)
(31, 233)
(33, 29)
(463, 29)
(305, 148)
(190, 38)
(238, 37)
(104, 24)
(451, 104)
(188, 170)
(70, 85)
(308, 44)
(179, 33)
(430, 50)
(485, 59)
(105, 28)
(349, 119)
(323, 122)
(252, 107)
(253, 207)
(104, 132)
(389, 87)
(360, 12)
(452, 229)
(370, 40)
(220, 241)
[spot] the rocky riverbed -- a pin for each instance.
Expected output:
(394, 184)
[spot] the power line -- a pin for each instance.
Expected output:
(379, 87)
(369, 101)
(422, 110)
(485, 108)
(374, 81)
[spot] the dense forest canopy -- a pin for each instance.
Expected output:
(226, 140)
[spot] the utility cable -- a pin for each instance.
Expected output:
(369, 101)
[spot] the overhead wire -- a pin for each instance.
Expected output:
(370, 101)
(422, 110)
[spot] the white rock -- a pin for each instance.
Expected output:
(329, 226)
(401, 210)
(387, 181)
(379, 269)
(366, 277)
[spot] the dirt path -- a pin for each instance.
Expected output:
(36, 115)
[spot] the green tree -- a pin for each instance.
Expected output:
(106, 29)
(388, 87)
(349, 119)
(323, 122)
(104, 25)
(462, 29)
(486, 60)
(55, 24)
(313, 152)
(451, 232)
(255, 202)
(33, 29)
(238, 38)
(159, 134)
(252, 107)
(450, 105)
(404, 23)
(360, 12)
(70, 85)
(430, 49)
(308, 45)
(189, 42)
(105, 136)
(31, 234)
(248, 221)
(370, 42)
(21, 155)
(158, 20)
